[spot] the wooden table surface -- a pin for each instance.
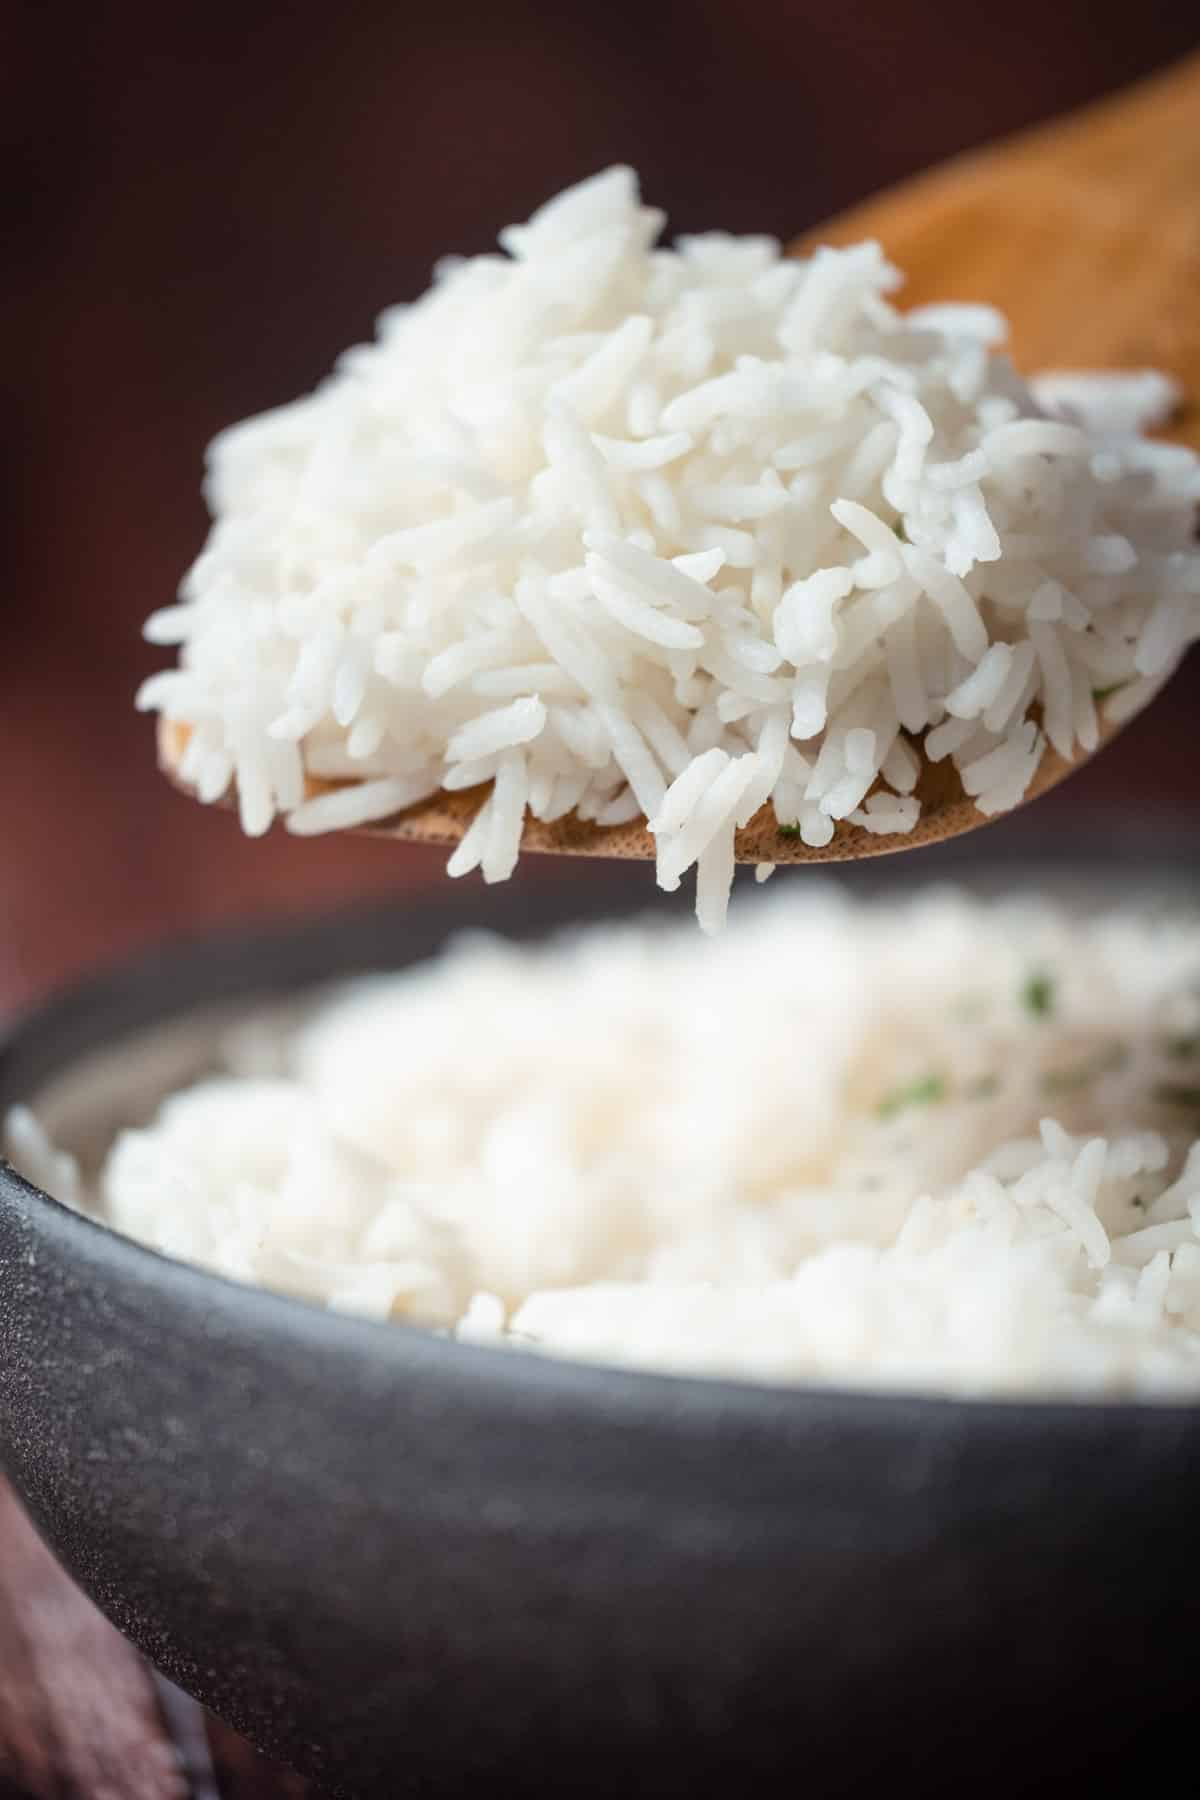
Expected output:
(82, 1715)
(218, 202)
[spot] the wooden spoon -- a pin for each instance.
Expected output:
(1086, 233)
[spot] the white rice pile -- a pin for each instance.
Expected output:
(942, 1146)
(625, 531)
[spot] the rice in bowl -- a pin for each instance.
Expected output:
(945, 1145)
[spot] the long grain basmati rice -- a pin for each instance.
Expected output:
(709, 485)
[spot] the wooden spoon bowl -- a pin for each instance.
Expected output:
(1086, 233)
(946, 811)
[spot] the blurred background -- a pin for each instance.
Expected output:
(208, 203)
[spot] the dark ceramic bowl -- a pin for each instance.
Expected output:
(406, 1565)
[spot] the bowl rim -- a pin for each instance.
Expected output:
(508, 1370)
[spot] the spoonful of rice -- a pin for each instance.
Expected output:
(710, 553)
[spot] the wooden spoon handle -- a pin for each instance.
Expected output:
(1086, 232)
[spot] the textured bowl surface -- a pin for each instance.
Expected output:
(407, 1565)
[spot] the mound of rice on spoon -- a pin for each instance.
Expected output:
(699, 537)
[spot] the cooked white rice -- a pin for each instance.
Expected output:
(941, 1146)
(683, 533)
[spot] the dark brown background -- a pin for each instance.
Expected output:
(206, 205)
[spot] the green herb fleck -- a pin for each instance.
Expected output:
(1177, 1093)
(1103, 693)
(1182, 1049)
(788, 831)
(1066, 1081)
(923, 1092)
(1037, 996)
(983, 1089)
(900, 532)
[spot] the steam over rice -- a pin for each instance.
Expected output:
(623, 531)
(939, 1146)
